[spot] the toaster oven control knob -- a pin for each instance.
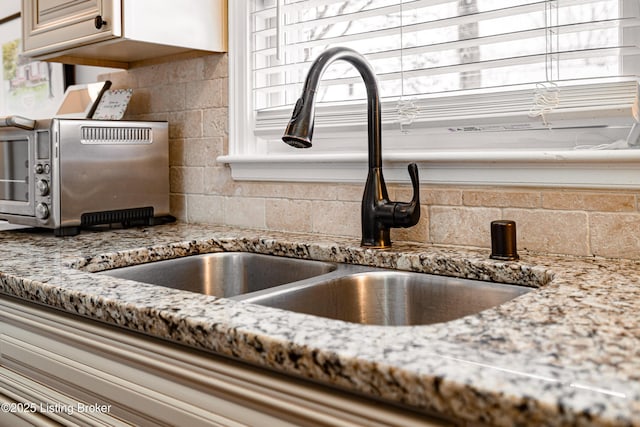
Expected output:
(42, 211)
(43, 187)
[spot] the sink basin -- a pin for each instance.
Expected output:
(390, 297)
(223, 274)
(352, 293)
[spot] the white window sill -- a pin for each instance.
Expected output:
(579, 168)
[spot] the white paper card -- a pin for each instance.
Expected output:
(113, 104)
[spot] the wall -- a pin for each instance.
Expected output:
(192, 95)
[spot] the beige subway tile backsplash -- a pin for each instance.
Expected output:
(587, 201)
(551, 231)
(193, 96)
(215, 122)
(501, 198)
(178, 206)
(217, 180)
(336, 218)
(186, 124)
(205, 94)
(140, 103)
(205, 209)
(441, 196)
(155, 75)
(462, 225)
(245, 212)
(351, 192)
(188, 180)
(430, 195)
(195, 152)
(289, 215)
(215, 66)
(615, 235)
(170, 97)
(176, 152)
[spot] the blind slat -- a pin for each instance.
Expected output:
(309, 4)
(431, 24)
(480, 65)
(478, 41)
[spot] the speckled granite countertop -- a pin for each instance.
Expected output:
(567, 353)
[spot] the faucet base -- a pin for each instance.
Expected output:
(381, 241)
(364, 245)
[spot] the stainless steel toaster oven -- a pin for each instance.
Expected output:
(65, 174)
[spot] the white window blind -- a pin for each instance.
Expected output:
(427, 47)
(454, 76)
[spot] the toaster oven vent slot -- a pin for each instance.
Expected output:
(115, 135)
(124, 216)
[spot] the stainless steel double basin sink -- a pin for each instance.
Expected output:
(345, 292)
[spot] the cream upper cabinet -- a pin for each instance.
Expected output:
(53, 25)
(117, 33)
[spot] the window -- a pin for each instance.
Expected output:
(478, 91)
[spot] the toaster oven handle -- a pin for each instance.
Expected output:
(18, 122)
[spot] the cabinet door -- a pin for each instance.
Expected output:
(54, 25)
(55, 359)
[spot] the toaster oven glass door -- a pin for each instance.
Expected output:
(14, 170)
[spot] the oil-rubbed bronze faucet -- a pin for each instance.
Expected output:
(379, 214)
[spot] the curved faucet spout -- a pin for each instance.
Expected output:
(299, 132)
(378, 213)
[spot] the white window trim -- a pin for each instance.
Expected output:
(579, 168)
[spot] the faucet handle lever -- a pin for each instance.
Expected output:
(415, 181)
(408, 214)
